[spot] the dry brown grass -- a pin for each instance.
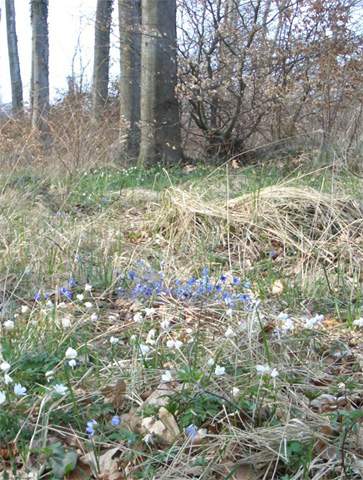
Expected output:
(309, 227)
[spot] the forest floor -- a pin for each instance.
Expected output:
(192, 324)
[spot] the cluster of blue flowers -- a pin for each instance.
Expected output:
(63, 292)
(146, 283)
(92, 425)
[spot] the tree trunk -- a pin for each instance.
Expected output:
(160, 124)
(15, 75)
(130, 71)
(101, 63)
(40, 66)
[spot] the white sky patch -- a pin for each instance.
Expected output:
(71, 23)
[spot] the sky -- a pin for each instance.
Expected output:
(70, 21)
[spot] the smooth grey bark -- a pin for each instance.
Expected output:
(101, 63)
(40, 66)
(130, 72)
(160, 123)
(15, 75)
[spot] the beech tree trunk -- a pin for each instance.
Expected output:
(130, 71)
(40, 66)
(101, 62)
(15, 75)
(160, 124)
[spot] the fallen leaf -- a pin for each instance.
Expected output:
(169, 421)
(324, 403)
(164, 428)
(115, 393)
(108, 465)
(160, 396)
(244, 472)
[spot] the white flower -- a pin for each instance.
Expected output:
(133, 338)
(211, 362)
(114, 340)
(138, 318)
(7, 379)
(144, 349)
(71, 353)
(174, 344)
(286, 324)
(149, 312)
(267, 370)
(219, 371)
(2, 397)
(178, 344)
(19, 390)
(60, 389)
(358, 322)
(72, 363)
(235, 391)
(88, 305)
(167, 376)
(262, 369)
(9, 325)
(314, 321)
(66, 322)
(229, 312)
(88, 287)
(49, 303)
(165, 324)
(49, 375)
(5, 366)
(94, 317)
(150, 339)
(80, 297)
(62, 305)
(24, 308)
(229, 333)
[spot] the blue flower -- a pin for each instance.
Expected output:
(205, 272)
(116, 420)
(38, 296)
(90, 427)
(191, 431)
(223, 278)
(72, 282)
(236, 281)
(65, 293)
(227, 298)
(244, 297)
(132, 275)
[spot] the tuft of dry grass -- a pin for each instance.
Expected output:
(308, 226)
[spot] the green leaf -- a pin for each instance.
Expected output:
(62, 461)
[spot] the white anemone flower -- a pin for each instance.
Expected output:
(219, 371)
